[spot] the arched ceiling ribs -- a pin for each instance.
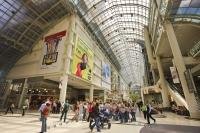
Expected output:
(118, 22)
(114, 6)
(128, 40)
(122, 28)
(116, 46)
(132, 4)
(123, 51)
(120, 15)
(121, 34)
(121, 59)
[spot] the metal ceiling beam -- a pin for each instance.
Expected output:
(117, 16)
(129, 41)
(14, 42)
(114, 6)
(119, 28)
(123, 50)
(26, 5)
(121, 34)
(17, 10)
(53, 6)
(118, 43)
(117, 23)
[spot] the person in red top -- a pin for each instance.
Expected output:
(44, 114)
(91, 113)
(82, 65)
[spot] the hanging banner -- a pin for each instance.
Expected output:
(106, 72)
(83, 58)
(52, 50)
(174, 75)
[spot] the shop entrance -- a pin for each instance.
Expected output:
(38, 92)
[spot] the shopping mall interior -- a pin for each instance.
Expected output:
(110, 51)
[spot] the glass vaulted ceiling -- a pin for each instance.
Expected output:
(121, 22)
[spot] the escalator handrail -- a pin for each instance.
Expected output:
(174, 88)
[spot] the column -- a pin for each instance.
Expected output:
(148, 46)
(63, 88)
(64, 78)
(23, 93)
(91, 93)
(181, 68)
(164, 91)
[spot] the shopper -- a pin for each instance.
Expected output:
(84, 111)
(65, 109)
(133, 112)
(58, 107)
(96, 118)
(122, 113)
(44, 114)
(10, 107)
(144, 110)
(80, 111)
(149, 112)
(90, 110)
(25, 107)
(76, 110)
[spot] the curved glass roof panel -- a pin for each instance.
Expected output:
(23, 23)
(121, 23)
(186, 7)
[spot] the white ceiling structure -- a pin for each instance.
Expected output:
(120, 23)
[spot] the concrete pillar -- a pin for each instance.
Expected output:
(148, 46)
(91, 93)
(63, 88)
(24, 88)
(164, 91)
(64, 78)
(181, 68)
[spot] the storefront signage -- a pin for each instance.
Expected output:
(52, 48)
(82, 64)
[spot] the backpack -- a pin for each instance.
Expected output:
(144, 108)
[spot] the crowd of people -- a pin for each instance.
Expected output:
(93, 112)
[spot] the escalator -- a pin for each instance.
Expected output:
(177, 94)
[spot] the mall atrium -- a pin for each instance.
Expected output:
(107, 51)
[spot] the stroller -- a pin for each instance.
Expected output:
(105, 119)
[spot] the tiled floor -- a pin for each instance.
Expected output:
(31, 124)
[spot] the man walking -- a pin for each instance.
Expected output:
(149, 110)
(65, 110)
(10, 107)
(44, 114)
(25, 107)
(96, 118)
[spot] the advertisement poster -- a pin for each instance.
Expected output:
(52, 50)
(174, 75)
(83, 58)
(106, 72)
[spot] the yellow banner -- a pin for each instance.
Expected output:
(82, 64)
